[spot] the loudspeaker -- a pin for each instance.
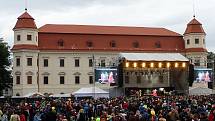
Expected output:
(191, 74)
(210, 85)
(120, 74)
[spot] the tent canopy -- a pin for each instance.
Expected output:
(200, 91)
(91, 92)
(153, 56)
(60, 95)
(33, 95)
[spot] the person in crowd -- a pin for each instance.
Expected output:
(15, 116)
(141, 108)
(4, 116)
(37, 116)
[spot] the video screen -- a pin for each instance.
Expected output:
(202, 75)
(106, 76)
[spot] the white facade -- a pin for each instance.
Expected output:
(53, 71)
(196, 40)
(23, 33)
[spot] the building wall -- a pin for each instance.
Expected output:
(192, 38)
(23, 36)
(200, 57)
(23, 71)
(54, 71)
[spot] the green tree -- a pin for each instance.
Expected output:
(5, 64)
(211, 59)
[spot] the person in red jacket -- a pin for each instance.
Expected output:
(22, 117)
(211, 115)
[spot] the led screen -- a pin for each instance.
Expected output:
(106, 76)
(202, 75)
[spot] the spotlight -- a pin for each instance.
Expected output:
(183, 64)
(127, 64)
(160, 65)
(151, 65)
(135, 65)
(168, 65)
(176, 65)
(143, 65)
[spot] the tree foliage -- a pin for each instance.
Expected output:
(5, 71)
(211, 59)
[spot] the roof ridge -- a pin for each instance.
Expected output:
(93, 25)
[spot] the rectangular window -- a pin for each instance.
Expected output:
(61, 62)
(17, 79)
(29, 79)
(188, 42)
(76, 62)
(45, 79)
(45, 62)
(29, 61)
(196, 41)
(103, 63)
(17, 61)
(61, 79)
(29, 37)
(77, 79)
(91, 79)
(90, 62)
(18, 37)
(203, 41)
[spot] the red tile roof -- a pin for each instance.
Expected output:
(25, 15)
(25, 21)
(25, 46)
(196, 50)
(194, 26)
(50, 41)
(111, 30)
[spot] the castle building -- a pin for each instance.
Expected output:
(57, 58)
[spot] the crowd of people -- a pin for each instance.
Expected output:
(145, 108)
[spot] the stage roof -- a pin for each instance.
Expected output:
(153, 57)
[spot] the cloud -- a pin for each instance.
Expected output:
(171, 14)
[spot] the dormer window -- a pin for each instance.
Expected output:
(29, 37)
(158, 44)
(113, 43)
(136, 44)
(18, 37)
(196, 41)
(60, 43)
(89, 44)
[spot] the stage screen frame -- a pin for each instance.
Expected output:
(203, 75)
(107, 79)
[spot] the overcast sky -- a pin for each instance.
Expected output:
(171, 14)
